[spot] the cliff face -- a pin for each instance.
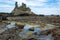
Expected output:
(21, 10)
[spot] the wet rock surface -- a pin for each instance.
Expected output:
(19, 33)
(56, 33)
(10, 34)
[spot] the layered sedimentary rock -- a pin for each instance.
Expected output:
(23, 9)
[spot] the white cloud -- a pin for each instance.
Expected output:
(6, 9)
(46, 11)
(31, 3)
(41, 3)
(42, 0)
(3, 5)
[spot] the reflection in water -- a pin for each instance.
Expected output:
(38, 31)
(11, 25)
(26, 30)
(2, 30)
(26, 27)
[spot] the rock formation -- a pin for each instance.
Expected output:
(21, 10)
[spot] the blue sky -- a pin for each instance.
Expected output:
(46, 7)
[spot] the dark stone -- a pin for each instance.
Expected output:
(32, 39)
(31, 29)
(20, 26)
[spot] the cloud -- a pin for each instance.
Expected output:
(42, 0)
(37, 6)
(46, 11)
(31, 2)
(3, 5)
(6, 9)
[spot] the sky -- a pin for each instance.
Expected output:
(46, 7)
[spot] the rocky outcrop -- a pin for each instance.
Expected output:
(21, 10)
